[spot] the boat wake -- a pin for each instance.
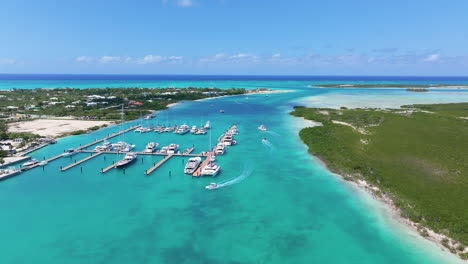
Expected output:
(245, 173)
(268, 145)
(272, 133)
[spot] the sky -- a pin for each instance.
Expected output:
(271, 37)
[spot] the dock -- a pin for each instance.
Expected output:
(81, 161)
(207, 160)
(158, 164)
(108, 137)
(109, 168)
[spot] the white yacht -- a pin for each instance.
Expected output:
(193, 130)
(220, 149)
(207, 125)
(128, 148)
(104, 147)
(151, 147)
(183, 129)
(69, 152)
(29, 164)
(192, 165)
(211, 186)
(210, 170)
(164, 150)
(126, 160)
(200, 131)
(172, 149)
(42, 163)
(262, 128)
(228, 140)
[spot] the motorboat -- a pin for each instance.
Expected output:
(129, 157)
(211, 186)
(210, 170)
(213, 158)
(207, 125)
(228, 140)
(69, 152)
(193, 130)
(29, 164)
(172, 149)
(262, 128)
(119, 146)
(128, 147)
(151, 147)
(164, 150)
(42, 163)
(220, 149)
(264, 140)
(200, 131)
(183, 129)
(104, 147)
(192, 165)
(221, 111)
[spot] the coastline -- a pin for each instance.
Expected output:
(249, 93)
(384, 199)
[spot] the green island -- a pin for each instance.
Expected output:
(417, 156)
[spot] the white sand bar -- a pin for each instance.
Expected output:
(54, 127)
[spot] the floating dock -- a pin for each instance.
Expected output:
(81, 161)
(158, 164)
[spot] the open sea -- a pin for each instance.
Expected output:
(277, 204)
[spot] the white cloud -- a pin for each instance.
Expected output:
(84, 59)
(109, 59)
(185, 3)
(432, 58)
(277, 55)
(7, 61)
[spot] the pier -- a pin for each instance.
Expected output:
(109, 168)
(158, 164)
(81, 161)
(108, 137)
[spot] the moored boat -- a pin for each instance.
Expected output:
(211, 169)
(192, 165)
(172, 149)
(129, 157)
(151, 147)
(69, 152)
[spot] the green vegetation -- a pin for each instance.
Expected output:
(78, 132)
(418, 156)
(99, 103)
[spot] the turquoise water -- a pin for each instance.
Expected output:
(281, 205)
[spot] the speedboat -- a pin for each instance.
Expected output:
(207, 125)
(210, 170)
(126, 160)
(221, 111)
(262, 128)
(192, 165)
(193, 130)
(183, 129)
(213, 158)
(211, 186)
(29, 164)
(69, 153)
(172, 149)
(151, 147)
(264, 140)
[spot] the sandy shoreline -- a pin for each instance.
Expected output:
(54, 127)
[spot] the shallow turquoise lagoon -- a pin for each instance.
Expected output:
(279, 205)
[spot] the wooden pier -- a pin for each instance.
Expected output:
(81, 161)
(158, 164)
(109, 168)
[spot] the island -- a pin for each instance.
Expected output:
(415, 158)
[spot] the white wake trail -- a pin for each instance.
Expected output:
(245, 173)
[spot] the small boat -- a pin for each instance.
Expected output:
(264, 140)
(207, 125)
(200, 131)
(228, 140)
(105, 147)
(262, 128)
(172, 149)
(211, 169)
(151, 147)
(42, 163)
(193, 130)
(192, 165)
(69, 152)
(128, 148)
(221, 111)
(130, 157)
(211, 186)
(213, 158)
(29, 164)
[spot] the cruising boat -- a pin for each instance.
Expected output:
(151, 147)
(207, 125)
(105, 147)
(192, 165)
(200, 131)
(164, 150)
(183, 129)
(264, 140)
(193, 130)
(27, 165)
(139, 130)
(220, 149)
(211, 186)
(262, 128)
(126, 160)
(172, 149)
(211, 169)
(69, 152)
(228, 141)
(128, 148)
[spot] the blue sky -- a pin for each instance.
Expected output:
(303, 37)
